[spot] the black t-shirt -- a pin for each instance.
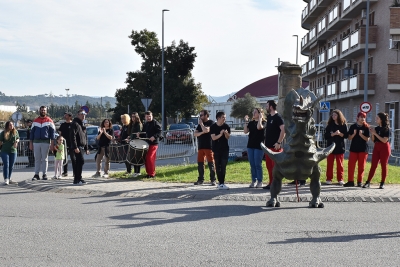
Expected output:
(221, 144)
(64, 129)
(255, 136)
(382, 132)
(104, 141)
(357, 143)
(340, 146)
(273, 129)
(204, 140)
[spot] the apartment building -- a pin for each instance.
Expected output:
(335, 44)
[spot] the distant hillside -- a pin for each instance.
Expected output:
(46, 100)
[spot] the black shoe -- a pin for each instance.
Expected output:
(36, 177)
(199, 182)
(382, 185)
(149, 176)
(359, 184)
(64, 174)
(349, 184)
(292, 183)
(268, 187)
(213, 182)
(44, 177)
(366, 185)
(302, 182)
(83, 182)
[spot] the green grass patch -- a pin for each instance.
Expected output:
(238, 172)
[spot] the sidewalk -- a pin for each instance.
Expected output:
(148, 189)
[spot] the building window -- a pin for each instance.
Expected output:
(372, 18)
(370, 62)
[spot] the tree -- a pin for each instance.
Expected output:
(182, 94)
(244, 106)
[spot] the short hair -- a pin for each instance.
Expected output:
(272, 104)
(127, 118)
(220, 114)
(81, 111)
(148, 113)
(205, 112)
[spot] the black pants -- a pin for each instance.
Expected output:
(221, 159)
(77, 164)
(136, 169)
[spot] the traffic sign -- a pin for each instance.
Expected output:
(365, 107)
(324, 106)
(85, 108)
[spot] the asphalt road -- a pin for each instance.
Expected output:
(49, 229)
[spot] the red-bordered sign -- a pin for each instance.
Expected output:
(365, 107)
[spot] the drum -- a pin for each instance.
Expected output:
(137, 152)
(117, 152)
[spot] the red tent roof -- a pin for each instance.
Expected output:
(264, 87)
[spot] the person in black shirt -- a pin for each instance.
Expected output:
(204, 140)
(64, 132)
(31, 158)
(124, 138)
(136, 127)
(359, 135)
(78, 138)
(336, 132)
(256, 130)
(381, 152)
(104, 137)
(220, 133)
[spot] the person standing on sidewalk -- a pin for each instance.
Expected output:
(59, 158)
(136, 127)
(9, 139)
(31, 158)
(256, 130)
(274, 135)
(104, 138)
(381, 152)
(220, 133)
(79, 145)
(124, 138)
(41, 140)
(336, 132)
(204, 140)
(152, 129)
(359, 136)
(64, 132)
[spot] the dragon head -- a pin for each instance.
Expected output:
(299, 105)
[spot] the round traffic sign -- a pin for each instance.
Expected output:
(365, 107)
(85, 108)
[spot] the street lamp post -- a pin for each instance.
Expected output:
(162, 74)
(297, 48)
(67, 99)
(366, 55)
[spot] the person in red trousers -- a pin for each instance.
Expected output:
(336, 132)
(359, 136)
(381, 152)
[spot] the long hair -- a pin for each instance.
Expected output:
(260, 111)
(127, 119)
(384, 119)
(341, 119)
(363, 115)
(137, 118)
(7, 131)
(102, 125)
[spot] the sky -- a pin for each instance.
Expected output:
(47, 46)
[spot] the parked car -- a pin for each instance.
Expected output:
(178, 133)
(92, 132)
(191, 124)
(117, 130)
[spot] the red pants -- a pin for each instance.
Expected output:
(380, 153)
(339, 166)
(150, 162)
(361, 157)
(270, 163)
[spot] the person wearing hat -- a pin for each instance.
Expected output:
(64, 132)
(31, 158)
(78, 139)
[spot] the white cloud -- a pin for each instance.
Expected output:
(84, 45)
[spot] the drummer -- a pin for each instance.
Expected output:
(124, 137)
(136, 127)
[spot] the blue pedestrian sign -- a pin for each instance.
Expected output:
(324, 106)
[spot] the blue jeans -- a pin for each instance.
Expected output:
(255, 158)
(8, 163)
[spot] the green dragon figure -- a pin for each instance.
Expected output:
(299, 159)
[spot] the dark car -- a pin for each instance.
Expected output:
(179, 133)
(117, 130)
(92, 132)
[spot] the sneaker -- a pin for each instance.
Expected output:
(64, 174)
(44, 177)
(36, 177)
(199, 182)
(96, 175)
(82, 182)
(359, 184)
(341, 182)
(6, 181)
(382, 185)
(259, 184)
(213, 183)
(267, 187)
(253, 184)
(349, 184)
(366, 185)
(223, 187)
(54, 177)
(12, 182)
(302, 182)
(328, 182)
(134, 175)
(59, 177)
(105, 175)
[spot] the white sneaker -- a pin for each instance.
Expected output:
(223, 187)
(252, 185)
(6, 181)
(259, 184)
(105, 175)
(328, 182)
(59, 177)
(135, 175)
(54, 177)
(341, 183)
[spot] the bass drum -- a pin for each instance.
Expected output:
(137, 152)
(117, 152)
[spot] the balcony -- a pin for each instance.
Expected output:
(335, 21)
(320, 91)
(321, 60)
(309, 69)
(354, 44)
(394, 77)
(313, 9)
(352, 8)
(354, 86)
(395, 21)
(308, 40)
